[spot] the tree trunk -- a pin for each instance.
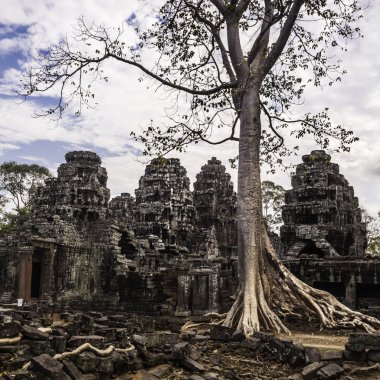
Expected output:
(267, 290)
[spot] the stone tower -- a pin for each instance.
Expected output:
(321, 215)
(79, 192)
(164, 203)
(215, 204)
(122, 208)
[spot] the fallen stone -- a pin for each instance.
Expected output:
(160, 371)
(9, 328)
(19, 350)
(95, 340)
(312, 355)
(107, 332)
(58, 343)
(180, 350)
(33, 334)
(60, 331)
(196, 377)
(330, 371)
(194, 354)
(296, 356)
(331, 356)
(251, 343)
(49, 366)
(310, 371)
(211, 376)
(37, 347)
(72, 370)
(215, 358)
(105, 365)
(192, 365)
(86, 361)
(17, 363)
(221, 333)
(139, 339)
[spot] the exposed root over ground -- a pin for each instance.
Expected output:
(270, 293)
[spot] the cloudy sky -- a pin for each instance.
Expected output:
(124, 104)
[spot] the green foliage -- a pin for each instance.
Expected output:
(273, 197)
(10, 221)
(18, 183)
(373, 233)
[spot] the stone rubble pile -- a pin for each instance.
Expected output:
(98, 346)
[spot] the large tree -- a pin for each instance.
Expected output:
(18, 183)
(241, 65)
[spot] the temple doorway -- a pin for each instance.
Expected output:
(35, 289)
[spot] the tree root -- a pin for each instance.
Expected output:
(89, 347)
(7, 341)
(270, 291)
(362, 370)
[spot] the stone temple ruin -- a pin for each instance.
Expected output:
(321, 215)
(323, 237)
(167, 250)
(170, 250)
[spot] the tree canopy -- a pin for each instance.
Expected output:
(273, 200)
(18, 182)
(373, 233)
(240, 66)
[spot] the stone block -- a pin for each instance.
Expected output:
(310, 371)
(86, 361)
(251, 343)
(37, 347)
(355, 347)
(192, 365)
(221, 333)
(9, 328)
(33, 334)
(368, 340)
(72, 370)
(330, 371)
(58, 343)
(312, 355)
(95, 340)
(160, 371)
(331, 356)
(50, 367)
(19, 349)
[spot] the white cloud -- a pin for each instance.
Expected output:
(124, 104)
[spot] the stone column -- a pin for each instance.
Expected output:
(47, 271)
(213, 292)
(200, 294)
(183, 296)
(25, 272)
(351, 299)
